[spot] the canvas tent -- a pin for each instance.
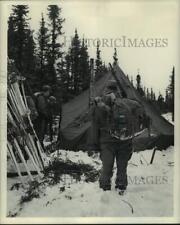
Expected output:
(76, 122)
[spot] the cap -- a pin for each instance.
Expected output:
(46, 88)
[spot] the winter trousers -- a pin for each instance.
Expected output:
(122, 152)
(40, 125)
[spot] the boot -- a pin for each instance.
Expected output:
(121, 189)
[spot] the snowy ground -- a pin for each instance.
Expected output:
(150, 190)
(168, 117)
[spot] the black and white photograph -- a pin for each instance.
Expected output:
(89, 111)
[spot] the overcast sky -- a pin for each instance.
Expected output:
(115, 20)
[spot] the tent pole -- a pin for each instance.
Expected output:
(153, 154)
(115, 77)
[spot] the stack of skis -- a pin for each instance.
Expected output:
(22, 142)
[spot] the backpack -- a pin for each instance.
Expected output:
(50, 104)
(36, 95)
(120, 121)
(32, 107)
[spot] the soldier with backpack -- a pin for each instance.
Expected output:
(44, 112)
(112, 132)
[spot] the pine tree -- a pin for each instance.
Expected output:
(132, 81)
(167, 98)
(84, 66)
(147, 94)
(144, 90)
(68, 71)
(138, 85)
(42, 39)
(75, 62)
(55, 48)
(152, 95)
(61, 90)
(161, 103)
(12, 49)
(138, 80)
(29, 55)
(98, 61)
(115, 57)
(104, 68)
(171, 90)
(63, 73)
(20, 38)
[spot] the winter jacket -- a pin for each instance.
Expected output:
(100, 123)
(43, 106)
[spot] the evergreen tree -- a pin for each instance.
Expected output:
(166, 96)
(84, 66)
(152, 95)
(29, 55)
(20, 40)
(144, 90)
(77, 66)
(138, 80)
(138, 85)
(171, 92)
(104, 68)
(98, 61)
(167, 99)
(75, 50)
(60, 89)
(42, 39)
(147, 94)
(161, 102)
(115, 57)
(63, 73)
(12, 48)
(55, 48)
(68, 72)
(132, 81)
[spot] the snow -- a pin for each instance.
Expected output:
(168, 117)
(149, 193)
(77, 157)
